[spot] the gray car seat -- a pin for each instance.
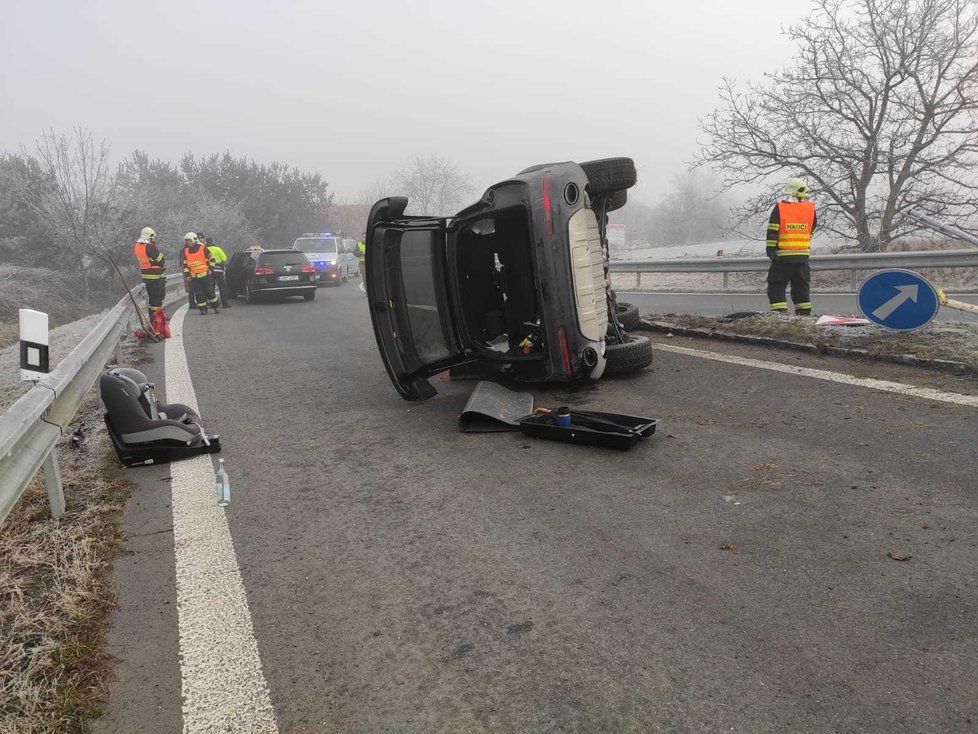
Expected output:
(128, 413)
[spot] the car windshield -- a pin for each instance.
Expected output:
(316, 244)
(277, 259)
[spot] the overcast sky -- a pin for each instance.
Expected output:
(354, 89)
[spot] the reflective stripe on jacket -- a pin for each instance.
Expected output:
(196, 263)
(151, 268)
(797, 220)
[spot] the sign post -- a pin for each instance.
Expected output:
(34, 364)
(898, 299)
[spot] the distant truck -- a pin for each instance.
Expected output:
(334, 257)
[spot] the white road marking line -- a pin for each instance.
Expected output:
(224, 688)
(885, 385)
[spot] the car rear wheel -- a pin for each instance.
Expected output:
(309, 295)
(616, 200)
(610, 174)
(623, 359)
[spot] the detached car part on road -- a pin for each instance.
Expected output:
(257, 273)
(518, 281)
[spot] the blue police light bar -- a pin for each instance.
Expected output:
(325, 234)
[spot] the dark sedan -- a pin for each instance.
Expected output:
(258, 273)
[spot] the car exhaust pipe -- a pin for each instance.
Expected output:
(590, 357)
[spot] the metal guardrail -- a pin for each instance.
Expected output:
(31, 428)
(851, 262)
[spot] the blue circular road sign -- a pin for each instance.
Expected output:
(898, 299)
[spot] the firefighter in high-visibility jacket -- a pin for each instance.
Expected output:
(197, 265)
(152, 268)
(789, 244)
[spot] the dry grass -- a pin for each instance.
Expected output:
(56, 592)
(9, 333)
(953, 341)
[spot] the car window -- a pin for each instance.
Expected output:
(283, 258)
(315, 244)
(421, 296)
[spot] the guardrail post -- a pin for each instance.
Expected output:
(638, 280)
(852, 280)
(725, 280)
(52, 480)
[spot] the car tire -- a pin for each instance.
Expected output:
(628, 315)
(250, 296)
(310, 296)
(610, 174)
(624, 359)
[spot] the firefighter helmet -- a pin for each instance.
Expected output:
(796, 187)
(190, 237)
(148, 233)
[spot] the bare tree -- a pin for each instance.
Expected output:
(878, 112)
(76, 207)
(433, 185)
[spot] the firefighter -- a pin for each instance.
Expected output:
(152, 268)
(197, 265)
(220, 271)
(789, 234)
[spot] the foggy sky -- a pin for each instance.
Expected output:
(354, 89)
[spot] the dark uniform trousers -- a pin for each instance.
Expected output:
(202, 291)
(794, 271)
(221, 284)
(155, 292)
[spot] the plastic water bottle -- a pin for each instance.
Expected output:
(222, 486)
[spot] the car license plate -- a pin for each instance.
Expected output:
(288, 277)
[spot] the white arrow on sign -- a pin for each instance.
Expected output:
(907, 293)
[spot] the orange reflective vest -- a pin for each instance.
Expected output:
(795, 234)
(195, 262)
(149, 269)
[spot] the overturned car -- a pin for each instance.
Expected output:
(517, 281)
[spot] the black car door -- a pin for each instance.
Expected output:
(411, 306)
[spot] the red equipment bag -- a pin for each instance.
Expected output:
(159, 323)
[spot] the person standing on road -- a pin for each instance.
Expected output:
(197, 265)
(362, 261)
(220, 271)
(789, 235)
(152, 268)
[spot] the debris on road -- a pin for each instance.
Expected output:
(900, 556)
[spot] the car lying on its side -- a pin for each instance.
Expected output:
(333, 257)
(258, 273)
(517, 281)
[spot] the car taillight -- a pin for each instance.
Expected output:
(564, 352)
(548, 213)
(263, 271)
(310, 268)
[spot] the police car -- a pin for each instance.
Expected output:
(333, 257)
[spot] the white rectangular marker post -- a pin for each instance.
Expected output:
(34, 364)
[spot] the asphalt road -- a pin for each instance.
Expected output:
(720, 304)
(729, 574)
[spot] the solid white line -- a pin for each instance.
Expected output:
(867, 382)
(224, 688)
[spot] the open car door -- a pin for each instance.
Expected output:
(411, 306)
